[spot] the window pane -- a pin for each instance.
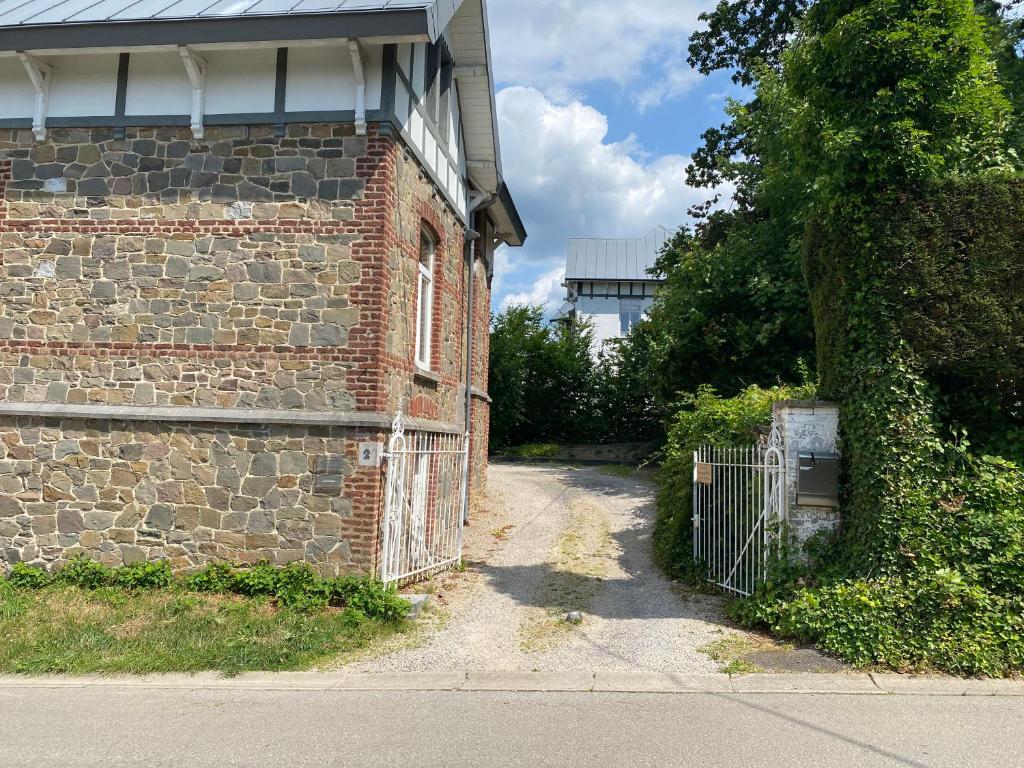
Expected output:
(426, 250)
(630, 312)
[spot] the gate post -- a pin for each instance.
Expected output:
(808, 426)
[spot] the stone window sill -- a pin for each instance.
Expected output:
(425, 377)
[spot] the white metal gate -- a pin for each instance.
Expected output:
(424, 494)
(739, 506)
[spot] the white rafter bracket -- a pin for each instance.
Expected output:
(41, 75)
(195, 67)
(359, 68)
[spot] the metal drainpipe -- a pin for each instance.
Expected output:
(473, 236)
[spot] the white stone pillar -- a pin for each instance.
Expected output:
(807, 426)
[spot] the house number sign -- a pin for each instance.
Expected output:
(705, 475)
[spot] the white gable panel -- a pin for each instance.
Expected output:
(17, 99)
(404, 59)
(240, 81)
(157, 85)
(320, 79)
(83, 86)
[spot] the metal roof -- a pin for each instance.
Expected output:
(595, 259)
(23, 12)
(53, 24)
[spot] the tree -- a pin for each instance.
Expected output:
(518, 337)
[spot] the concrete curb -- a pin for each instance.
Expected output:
(540, 682)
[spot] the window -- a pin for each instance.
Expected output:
(630, 312)
(425, 299)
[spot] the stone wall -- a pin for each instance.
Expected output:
(245, 271)
(122, 492)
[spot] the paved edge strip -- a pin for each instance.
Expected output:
(862, 684)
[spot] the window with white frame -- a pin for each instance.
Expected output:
(630, 313)
(425, 299)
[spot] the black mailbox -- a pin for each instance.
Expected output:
(819, 480)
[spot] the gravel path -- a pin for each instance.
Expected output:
(553, 538)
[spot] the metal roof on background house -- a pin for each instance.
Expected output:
(594, 259)
(52, 24)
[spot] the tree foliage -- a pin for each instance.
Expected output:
(548, 387)
(898, 113)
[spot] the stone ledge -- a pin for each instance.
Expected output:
(381, 421)
(423, 376)
(479, 394)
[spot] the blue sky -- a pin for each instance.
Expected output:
(598, 112)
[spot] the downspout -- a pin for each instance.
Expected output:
(472, 236)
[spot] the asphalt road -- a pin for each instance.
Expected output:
(139, 726)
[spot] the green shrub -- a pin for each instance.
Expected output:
(28, 577)
(150, 575)
(370, 597)
(85, 573)
(300, 587)
(258, 581)
(215, 577)
(923, 621)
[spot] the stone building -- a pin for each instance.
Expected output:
(235, 240)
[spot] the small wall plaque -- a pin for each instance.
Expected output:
(705, 475)
(329, 465)
(369, 454)
(327, 483)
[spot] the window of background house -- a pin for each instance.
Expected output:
(630, 312)
(425, 299)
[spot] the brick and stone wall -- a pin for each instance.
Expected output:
(246, 271)
(122, 492)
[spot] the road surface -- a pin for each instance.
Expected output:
(220, 727)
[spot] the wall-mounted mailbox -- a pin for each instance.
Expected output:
(818, 484)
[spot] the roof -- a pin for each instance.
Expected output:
(596, 259)
(52, 24)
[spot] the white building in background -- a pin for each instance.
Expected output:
(609, 282)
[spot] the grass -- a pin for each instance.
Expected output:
(732, 650)
(581, 558)
(502, 534)
(69, 630)
(532, 451)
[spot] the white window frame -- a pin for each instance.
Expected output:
(630, 307)
(425, 300)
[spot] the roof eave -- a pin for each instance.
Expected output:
(510, 223)
(200, 31)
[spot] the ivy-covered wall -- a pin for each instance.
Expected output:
(921, 332)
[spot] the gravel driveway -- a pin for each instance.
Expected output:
(553, 539)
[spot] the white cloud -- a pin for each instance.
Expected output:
(570, 181)
(560, 46)
(546, 289)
